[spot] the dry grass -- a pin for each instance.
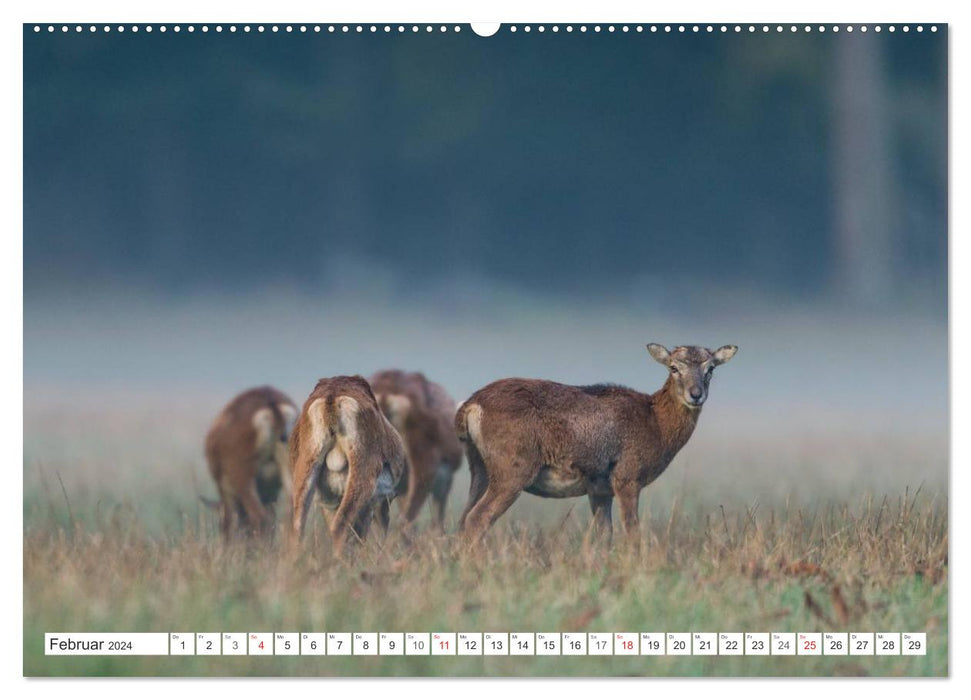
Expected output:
(742, 533)
(874, 565)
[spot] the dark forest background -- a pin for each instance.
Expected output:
(790, 166)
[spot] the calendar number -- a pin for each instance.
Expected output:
(728, 643)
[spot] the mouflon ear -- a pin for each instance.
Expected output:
(659, 353)
(724, 354)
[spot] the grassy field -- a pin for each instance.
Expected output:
(737, 537)
(873, 566)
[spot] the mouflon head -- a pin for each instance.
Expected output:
(691, 368)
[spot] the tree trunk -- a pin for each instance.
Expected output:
(864, 222)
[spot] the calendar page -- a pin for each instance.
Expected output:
(531, 349)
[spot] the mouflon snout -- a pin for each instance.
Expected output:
(690, 369)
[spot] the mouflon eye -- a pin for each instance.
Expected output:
(674, 370)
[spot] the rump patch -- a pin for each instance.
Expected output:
(398, 406)
(473, 423)
(319, 437)
(347, 408)
(263, 425)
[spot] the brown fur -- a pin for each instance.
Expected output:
(247, 460)
(425, 420)
(344, 449)
(559, 441)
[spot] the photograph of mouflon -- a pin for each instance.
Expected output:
(560, 441)
(345, 450)
(423, 413)
(246, 450)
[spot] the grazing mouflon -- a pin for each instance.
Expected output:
(344, 449)
(424, 415)
(246, 449)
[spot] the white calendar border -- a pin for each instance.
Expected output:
(11, 300)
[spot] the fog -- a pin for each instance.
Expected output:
(120, 390)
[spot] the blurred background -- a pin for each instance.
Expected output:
(208, 212)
